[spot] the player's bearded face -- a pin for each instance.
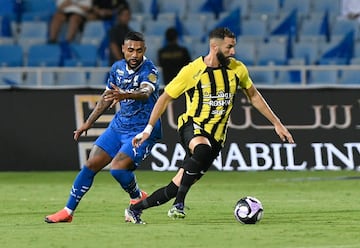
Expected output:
(133, 53)
(224, 61)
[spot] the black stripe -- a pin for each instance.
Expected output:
(227, 90)
(200, 100)
(210, 72)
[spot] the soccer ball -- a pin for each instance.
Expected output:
(248, 210)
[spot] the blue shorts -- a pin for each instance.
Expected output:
(113, 142)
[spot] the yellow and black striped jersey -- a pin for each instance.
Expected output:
(209, 94)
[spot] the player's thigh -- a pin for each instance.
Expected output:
(131, 157)
(98, 159)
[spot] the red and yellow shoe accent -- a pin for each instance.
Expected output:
(143, 195)
(60, 216)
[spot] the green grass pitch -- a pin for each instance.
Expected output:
(301, 209)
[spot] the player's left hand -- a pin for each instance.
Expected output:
(114, 95)
(284, 133)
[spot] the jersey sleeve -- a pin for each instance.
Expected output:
(149, 75)
(111, 78)
(242, 72)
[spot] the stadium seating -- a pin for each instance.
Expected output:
(94, 32)
(323, 77)
(32, 33)
(272, 53)
(332, 6)
(262, 77)
(302, 7)
(268, 8)
(71, 78)
(246, 52)
(308, 51)
(173, 6)
(11, 55)
(97, 78)
(38, 10)
(314, 36)
(349, 77)
(83, 55)
(254, 30)
(39, 55)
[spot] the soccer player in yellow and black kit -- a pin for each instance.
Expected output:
(209, 84)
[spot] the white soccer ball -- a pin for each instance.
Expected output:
(248, 210)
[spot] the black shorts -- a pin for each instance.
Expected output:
(186, 133)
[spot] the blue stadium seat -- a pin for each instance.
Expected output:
(271, 53)
(97, 78)
(253, 30)
(136, 25)
(323, 77)
(195, 6)
(34, 29)
(93, 33)
(332, 6)
(44, 55)
(158, 27)
(355, 61)
(242, 4)
(268, 8)
(32, 33)
(310, 30)
(11, 55)
(262, 77)
(173, 6)
(308, 51)
(83, 55)
(342, 27)
(349, 77)
(246, 52)
(71, 78)
(302, 7)
(289, 77)
(199, 49)
(194, 29)
(38, 10)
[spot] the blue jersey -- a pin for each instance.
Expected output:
(134, 115)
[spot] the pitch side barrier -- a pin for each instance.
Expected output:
(36, 130)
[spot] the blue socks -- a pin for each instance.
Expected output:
(81, 185)
(127, 180)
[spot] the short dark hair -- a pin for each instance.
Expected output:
(123, 7)
(171, 34)
(133, 35)
(221, 33)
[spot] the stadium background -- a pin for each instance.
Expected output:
(301, 54)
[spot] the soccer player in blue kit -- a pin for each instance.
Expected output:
(134, 81)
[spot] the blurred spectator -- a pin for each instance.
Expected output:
(172, 57)
(117, 34)
(105, 9)
(350, 9)
(73, 12)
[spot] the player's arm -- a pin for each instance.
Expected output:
(261, 105)
(159, 108)
(99, 109)
(116, 94)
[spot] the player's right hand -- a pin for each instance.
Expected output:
(79, 131)
(139, 139)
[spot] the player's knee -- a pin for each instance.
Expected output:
(202, 154)
(200, 160)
